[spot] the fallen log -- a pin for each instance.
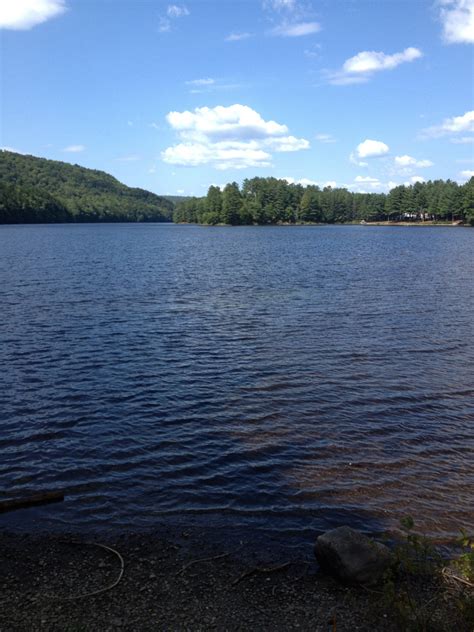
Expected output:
(42, 498)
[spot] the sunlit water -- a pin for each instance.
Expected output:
(289, 378)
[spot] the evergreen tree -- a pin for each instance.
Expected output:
(231, 204)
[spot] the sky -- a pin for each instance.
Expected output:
(174, 97)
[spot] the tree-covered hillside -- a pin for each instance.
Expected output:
(272, 201)
(40, 190)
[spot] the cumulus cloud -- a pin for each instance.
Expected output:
(297, 29)
(370, 148)
(361, 67)
(233, 137)
(467, 174)
(409, 161)
(454, 125)
(414, 180)
(457, 18)
(24, 14)
(74, 149)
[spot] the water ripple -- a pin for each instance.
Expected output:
(291, 379)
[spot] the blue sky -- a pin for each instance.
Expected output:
(173, 97)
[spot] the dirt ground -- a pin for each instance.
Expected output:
(177, 581)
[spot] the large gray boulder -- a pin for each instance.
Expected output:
(351, 556)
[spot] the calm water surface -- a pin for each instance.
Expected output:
(285, 378)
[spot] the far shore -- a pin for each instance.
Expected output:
(427, 223)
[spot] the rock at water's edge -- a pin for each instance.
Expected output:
(351, 556)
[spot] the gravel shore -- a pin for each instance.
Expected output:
(185, 580)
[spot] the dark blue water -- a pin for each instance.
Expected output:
(291, 378)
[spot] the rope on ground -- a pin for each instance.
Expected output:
(100, 590)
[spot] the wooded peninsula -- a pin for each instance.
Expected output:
(37, 190)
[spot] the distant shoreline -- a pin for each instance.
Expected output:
(279, 224)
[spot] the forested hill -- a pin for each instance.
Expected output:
(39, 190)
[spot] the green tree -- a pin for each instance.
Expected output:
(231, 204)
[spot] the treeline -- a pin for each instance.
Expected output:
(273, 201)
(39, 190)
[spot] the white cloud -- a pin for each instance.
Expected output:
(409, 161)
(358, 163)
(287, 143)
(221, 156)
(340, 79)
(173, 12)
(414, 180)
(370, 186)
(207, 81)
(370, 148)
(464, 123)
(457, 18)
(280, 5)
(164, 25)
(237, 37)
(176, 11)
(233, 137)
(467, 174)
(371, 61)
(325, 138)
(361, 67)
(366, 179)
(306, 182)
(463, 140)
(296, 29)
(24, 14)
(208, 84)
(74, 149)
(454, 125)
(303, 181)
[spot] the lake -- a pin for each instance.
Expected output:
(280, 378)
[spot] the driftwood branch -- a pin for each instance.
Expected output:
(202, 559)
(449, 574)
(259, 569)
(42, 498)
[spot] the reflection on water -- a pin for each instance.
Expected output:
(291, 378)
